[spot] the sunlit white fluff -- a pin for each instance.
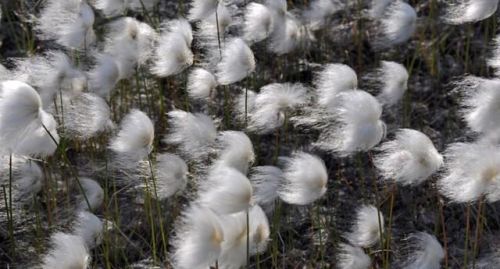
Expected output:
(22, 120)
(305, 177)
(377, 8)
(272, 104)
(398, 24)
(245, 104)
(394, 78)
(198, 240)
(472, 171)
(192, 133)
(68, 22)
(104, 75)
(409, 159)
(237, 62)
(319, 10)
(170, 175)
(68, 251)
(480, 103)
(130, 42)
(89, 227)
(173, 53)
(234, 246)
(356, 124)
(85, 116)
(236, 151)
(287, 34)
(93, 192)
(426, 252)
(350, 257)
(201, 84)
(5, 74)
(116, 7)
(465, 11)
(332, 80)
(134, 141)
(201, 9)
(226, 190)
(266, 181)
(27, 178)
(258, 22)
(366, 227)
(50, 74)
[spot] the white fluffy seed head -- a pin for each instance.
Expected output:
(192, 133)
(236, 151)
(69, 23)
(201, 9)
(319, 11)
(110, 7)
(377, 8)
(258, 22)
(332, 80)
(367, 226)
(85, 116)
(170, 175)
(130, 42)
(201, 84)
(273, 103)
(409, 159)
(22, 120)
(93, 192)
(173, 53)
(237, 62)
(226, 190)
(472, 171)
(68, 251)
(89, 228)
(104, 75)
(350, 257)
(397, 25)
(288, 32)
(357, 125)
(27, 178)
(394, 78)
(427, 252)
(305, 179)
(136, 135)
(50, 74)
(198, 239)
(480, 103)
(465, 11)
(266, 181)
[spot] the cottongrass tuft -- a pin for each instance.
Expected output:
(68, 251)
(134, 141)
(192, 133)
(465, 11)
(22, 121)
(237, 62)
(85, 116)
(236, 151)
(201, 9)
(115, 7)
(93, 192)
(258, 22)
(68, 22)
(318, 12)
(170, 174)
(351, 257)
(394, 78)
(480, 103)
(104, 75)
(397, 25)
(305, 177)
(173, 53)
(409, 159)
(266, 181)
(356, 124)
(198, 239)
(272, 104)
(201, 84)
(367, 226)
(332, 80)
(378, 7)
(426, 252)
(89, 227)
(472, 171)
(27, 178)
(226, 190)
(288, 34)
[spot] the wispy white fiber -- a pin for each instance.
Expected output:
(465, 11)
(236, 151)
(351, 257)
(237, 62)
(332, 80)
(366, 227)
(201, 84)
(68, 251)
(394, 78)
(85, 116)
